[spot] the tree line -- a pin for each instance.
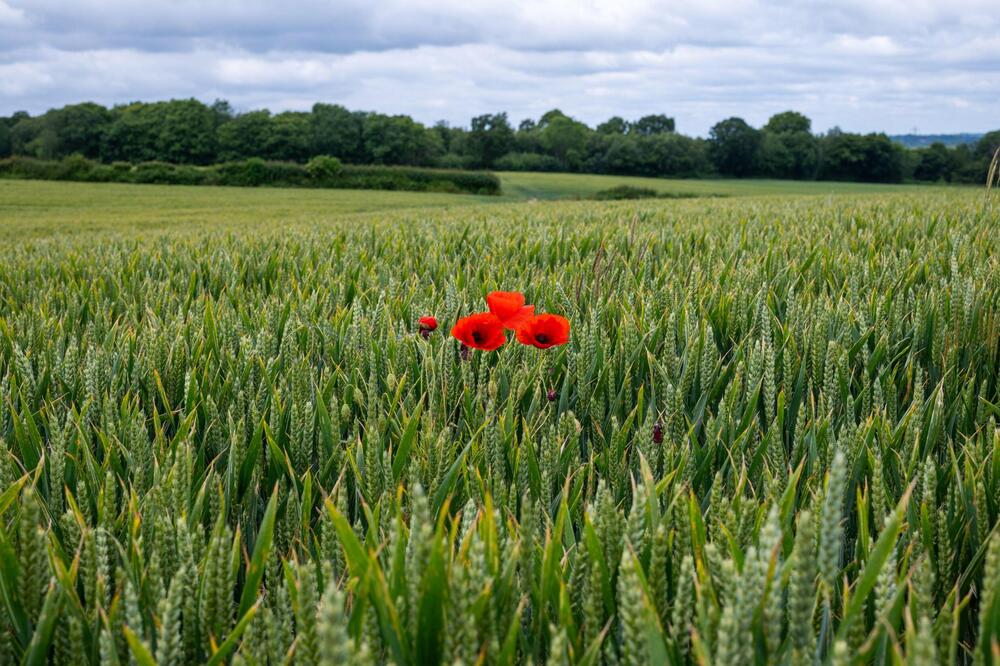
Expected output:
(188, 131)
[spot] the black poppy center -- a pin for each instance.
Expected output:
(477, 337)
(541, 337)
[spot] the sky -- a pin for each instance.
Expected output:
(928, 66)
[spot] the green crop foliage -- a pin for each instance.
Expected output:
(772, 438)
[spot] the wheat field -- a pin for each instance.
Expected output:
(771, 439)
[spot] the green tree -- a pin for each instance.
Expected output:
(548, 117)
(655, 155)
(245, 135)
(774, 159)
(733, 147)
(23, 131)
(788, 149)
(45, 145)
(5, 144)
(787, 122)
(883, 160)
(986, 148)
(988, 145)
(564, 138)
(186, 131)
(452, 138)
(79, 128)
(453, 144)
(963, 166)
(934, 163)
(489, 138)
(867, 158)
(613, 153)
(526, 139)
(399, 140)
(223, 111)
(291, 137)
(652, 124)
(181, 131)
(670, 154)
(132, 135)
(336, 131)
(613, 125)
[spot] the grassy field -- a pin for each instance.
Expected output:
(520, 185)
(49, 207)
(770, 439)
(43, 208)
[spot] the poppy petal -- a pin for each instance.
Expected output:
(505, 304)
(519, 318)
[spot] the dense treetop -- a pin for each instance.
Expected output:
(190, 132)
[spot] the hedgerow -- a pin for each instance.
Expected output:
(255, 172)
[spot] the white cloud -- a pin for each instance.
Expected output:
(10, 16)
(19, 79)
(875, 45)
(861, 64)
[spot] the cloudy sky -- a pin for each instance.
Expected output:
(865, 65)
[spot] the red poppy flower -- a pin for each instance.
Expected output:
(544, 331)
(480, 331)
(509, 308)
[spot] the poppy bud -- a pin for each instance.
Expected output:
(657, 433)
(427, 325)
(552, 395)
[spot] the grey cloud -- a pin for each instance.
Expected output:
(344, 26)
(872, 65)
